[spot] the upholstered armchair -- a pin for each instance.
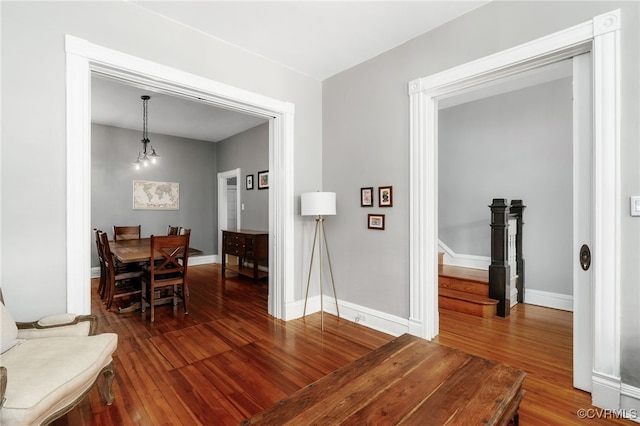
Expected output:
(48, 367)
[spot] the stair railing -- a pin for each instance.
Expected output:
(507, 261)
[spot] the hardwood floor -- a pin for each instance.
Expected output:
(227, 359)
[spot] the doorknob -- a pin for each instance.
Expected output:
(585, 257)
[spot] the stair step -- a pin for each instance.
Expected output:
(467, 303)
(468, 286)
(469, 274)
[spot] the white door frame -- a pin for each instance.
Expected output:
(601, 36)
(582, 221)
(84, 58)
(222, 203)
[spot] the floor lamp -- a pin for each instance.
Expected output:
(319, 204)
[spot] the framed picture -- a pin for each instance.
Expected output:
(249, 181)
(385, 196)
(149, 195)
(376, 221)
(263, 179)
(366, 197)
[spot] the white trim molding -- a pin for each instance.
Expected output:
(85, 58)
(548, 299)
(630, 402)
(371, 318)
(600, 36)
(463, 260)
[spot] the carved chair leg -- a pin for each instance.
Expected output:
(109, 373)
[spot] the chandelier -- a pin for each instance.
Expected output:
(144, 158)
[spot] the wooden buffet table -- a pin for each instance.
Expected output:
(246, 245)
(410, 381)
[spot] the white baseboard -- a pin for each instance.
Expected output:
(464, 260)
(548, 299)
(195, 260)
(614, 399)
(368, 317)
(605, 392)
(630, 402)
(204, 260)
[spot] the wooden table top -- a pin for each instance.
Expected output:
(138, 250)
(410, 381)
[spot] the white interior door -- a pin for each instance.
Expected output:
(582, 222)
(223, 203)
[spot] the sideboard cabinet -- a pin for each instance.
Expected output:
(247, 245)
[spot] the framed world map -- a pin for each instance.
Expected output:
(149, 195)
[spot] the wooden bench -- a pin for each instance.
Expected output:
(410, 381)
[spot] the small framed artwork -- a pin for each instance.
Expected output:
(366, 197)
(385, 196)
(263, 179)
(249, 181)
(376, 221)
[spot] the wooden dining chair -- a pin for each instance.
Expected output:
(184, 231)
(121, 282)
(172, 230)
(126, 232)
(167, 273)
(103, 269)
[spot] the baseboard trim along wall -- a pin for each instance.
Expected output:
(464, 260)
(548, 300)
(194, 260)
(368, 317)
(630, 402)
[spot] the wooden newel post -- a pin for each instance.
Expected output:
(499, 270)
(517, 210)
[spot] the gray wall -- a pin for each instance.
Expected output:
(249, 151)
(350, 131)
(514, 146)
(191, 163)
(366, 143)
(33, 73)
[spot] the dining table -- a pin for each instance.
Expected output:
(137, 250)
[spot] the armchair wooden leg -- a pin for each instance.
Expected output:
(109, 373)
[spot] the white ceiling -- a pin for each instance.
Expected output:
(317, 38)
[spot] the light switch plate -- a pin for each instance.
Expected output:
(635, 206)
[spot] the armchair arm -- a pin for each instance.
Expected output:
(3, 384)
(59, 325)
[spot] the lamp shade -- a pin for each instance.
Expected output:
(318, 204)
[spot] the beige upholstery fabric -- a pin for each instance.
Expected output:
(78, 329)
(8, 329)
(47, 374)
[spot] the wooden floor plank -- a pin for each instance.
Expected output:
(228, 359)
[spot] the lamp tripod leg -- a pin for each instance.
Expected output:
(313, 250)
(326, 246)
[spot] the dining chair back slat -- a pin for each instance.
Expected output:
(120, 282)
(126, 232)
(167, 273)
(103, 270)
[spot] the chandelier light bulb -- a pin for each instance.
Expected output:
(143, 157)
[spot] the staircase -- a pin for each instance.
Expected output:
(465, 290)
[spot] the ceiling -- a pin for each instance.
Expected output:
(316, 38)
